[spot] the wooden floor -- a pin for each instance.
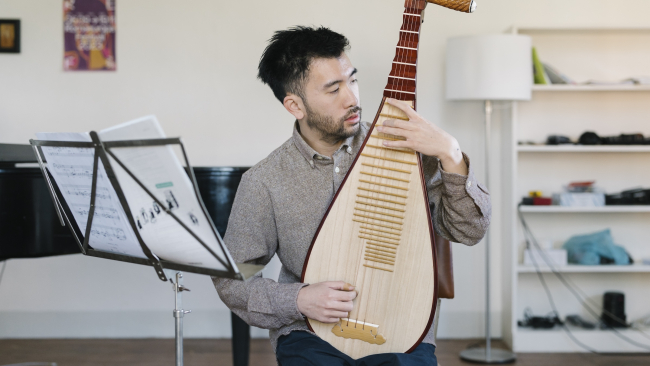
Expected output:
(200, 352)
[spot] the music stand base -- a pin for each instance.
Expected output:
(479, 355)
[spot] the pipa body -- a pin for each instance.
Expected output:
(377, 233)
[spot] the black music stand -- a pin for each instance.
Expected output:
(102, 149)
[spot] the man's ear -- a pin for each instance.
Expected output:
(294, 105)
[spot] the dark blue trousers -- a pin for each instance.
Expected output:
(302, 348)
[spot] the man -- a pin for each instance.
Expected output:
(281, 200)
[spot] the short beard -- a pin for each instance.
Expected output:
(331, 131)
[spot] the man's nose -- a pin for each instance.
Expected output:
(351, 99)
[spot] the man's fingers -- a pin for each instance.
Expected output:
(336, 314)
(392, 131)
(340, 285)
(406, 144)
(343, 296)
(406, 125)
(340, 295)
(351, 295)
(330, 320)
(335, 305)
(404, 107)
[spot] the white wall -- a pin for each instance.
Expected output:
(193, 64)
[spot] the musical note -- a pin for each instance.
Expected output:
(69, 151)
(147, 215)
(103, 212)
(108, 232)
(70, 170)
(84, 191)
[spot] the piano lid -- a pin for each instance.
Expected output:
(11, 154)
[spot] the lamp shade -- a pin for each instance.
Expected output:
(489, 67)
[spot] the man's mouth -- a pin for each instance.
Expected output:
(353, 118)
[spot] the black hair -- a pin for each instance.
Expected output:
(284, 65)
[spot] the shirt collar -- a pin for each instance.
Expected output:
(305, 150)
(309, 153)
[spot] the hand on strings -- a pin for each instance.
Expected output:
(326, 302)
(424, 137)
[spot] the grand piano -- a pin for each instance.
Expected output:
(30, 227)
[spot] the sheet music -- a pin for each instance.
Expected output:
(158, 168)
(72, 170)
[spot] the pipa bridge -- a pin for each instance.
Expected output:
(354, 329)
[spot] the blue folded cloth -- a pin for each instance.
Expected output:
(596, 248)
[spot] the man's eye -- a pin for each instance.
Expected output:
(335, 91)
(355, 80)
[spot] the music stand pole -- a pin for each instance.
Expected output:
(179, 313)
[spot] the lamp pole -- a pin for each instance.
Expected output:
(488, 131)
(488, 355)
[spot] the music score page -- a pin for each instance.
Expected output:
(160, 171)
(72, 169)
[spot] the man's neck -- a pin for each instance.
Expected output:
(313, 139)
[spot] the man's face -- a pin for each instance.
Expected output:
(332, 98)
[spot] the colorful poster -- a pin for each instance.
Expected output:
(89, 35)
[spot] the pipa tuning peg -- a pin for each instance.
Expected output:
(465, 6)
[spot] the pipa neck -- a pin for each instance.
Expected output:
(402, 78)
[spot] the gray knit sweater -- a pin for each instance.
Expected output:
(280, 203)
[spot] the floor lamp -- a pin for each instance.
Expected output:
(489, 68)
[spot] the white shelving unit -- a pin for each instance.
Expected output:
(594, 88)
(583, 149)
(604, 209)
(583, 54)
(634, 268)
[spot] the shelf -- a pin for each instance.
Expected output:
(591, 88)
(602, 209)
(584, 148)
(578, 29)
(576, 268)
(556, 340)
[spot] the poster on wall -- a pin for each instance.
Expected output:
(89, 35)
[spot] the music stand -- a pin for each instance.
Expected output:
(102, 149)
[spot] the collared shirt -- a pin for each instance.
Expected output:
(280, 203)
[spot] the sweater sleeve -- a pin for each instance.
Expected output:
(461, 205)
(251, 237)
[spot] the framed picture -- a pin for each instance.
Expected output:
(9, 36)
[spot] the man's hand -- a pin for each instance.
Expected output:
(326, 302)
(424, 137)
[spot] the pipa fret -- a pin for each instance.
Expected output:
(389, 159)
(377, 218)
(382, 192)
(380, 230)
(383, 184)
(381, 206)
(387, 168)
(377, 234)
(402, 150)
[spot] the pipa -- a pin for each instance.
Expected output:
(377, 233)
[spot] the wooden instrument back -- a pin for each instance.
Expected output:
(377, 233)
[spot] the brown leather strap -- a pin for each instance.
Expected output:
(445, 268)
